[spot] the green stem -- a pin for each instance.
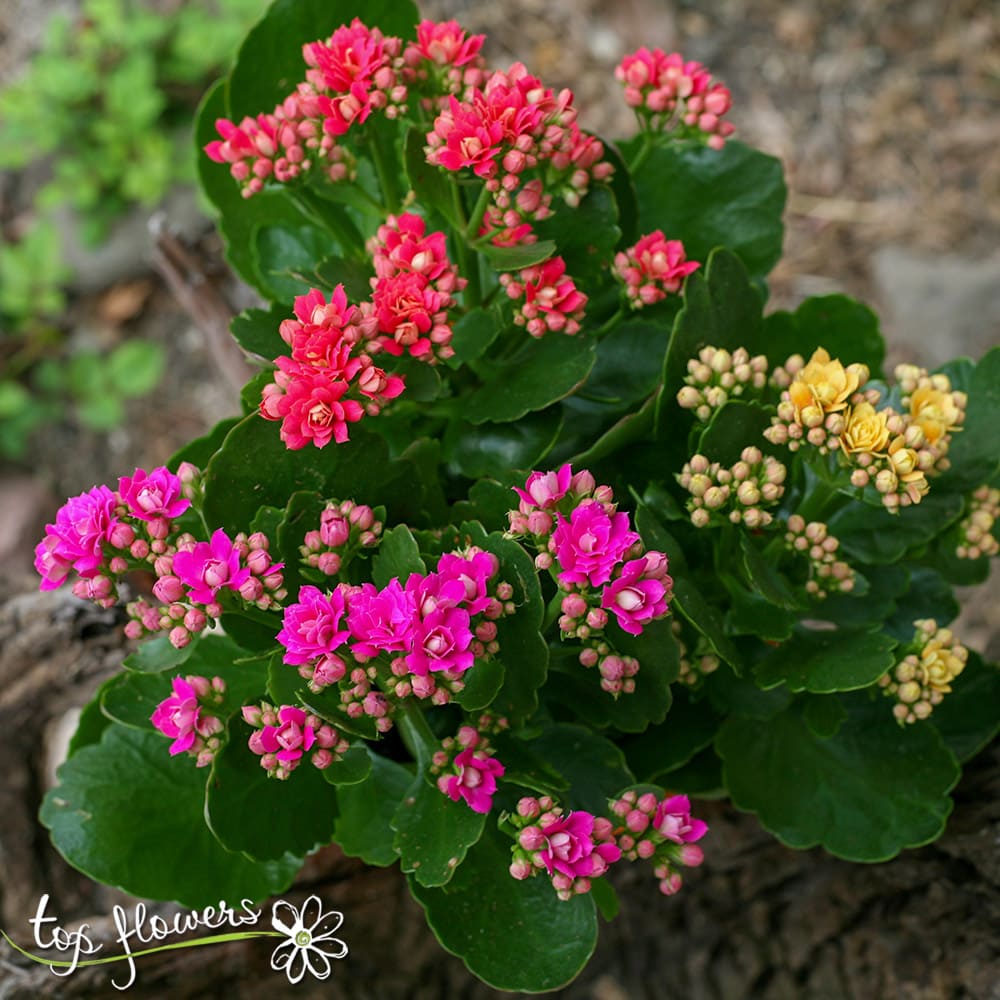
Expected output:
(468, 259)
(388, 179)
(416, 734)
(606, 326)
(476, 220)
(644, 152)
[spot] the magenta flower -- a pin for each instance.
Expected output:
(674, 821)
(441, 641)
(635, 600)
(473, 573)
(312, 626)
(569, 847)
(381, 620)
(210, 566)
(545, 489)
(289, 739)
(155, 495)
(591, 543)
(476, 781)
(180, 716)
(83, 524)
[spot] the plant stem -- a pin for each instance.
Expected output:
(416, 734)
(387, 177)
(644, 151)
(468, 259)
(476, 220)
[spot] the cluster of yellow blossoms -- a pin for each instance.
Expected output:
(923, 677)
(827, 406)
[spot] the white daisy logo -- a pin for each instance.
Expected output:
(310, 943)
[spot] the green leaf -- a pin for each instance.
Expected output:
(354, 275)
(732, 427)
(605, 898)
(739, 696)
(864, 794)
(525, 938)
(169, 853)
(927, 595)
(285, 257)
(488, 503)
(586, 235)
(497, 449)
(700, 777)
(826, 661)
(359, 469)
(157, 655)
(544, 372)
(690, 726)
(877, 537)
(433, 833)
(973, 452)
(518, 257)
(475, 331)
(352, 768)
(846, 329)
(750, 614)
(363, 823)
(260, 816)
(764, 578)
(823, 714)
(629, 362)
(92, 722)
(969, 718)
(398, 556)
(525, 766)
(734, 197)
(256, 331)
(706, 619)
(721, 309)
(482, 683)
(431, 184)
(136, 367)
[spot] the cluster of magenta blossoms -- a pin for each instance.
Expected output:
(418, 638)
(188, 717)
(467, 769)
(669, 94)
(598, 563)
(345, 529)
(652, 269)
(283, 737)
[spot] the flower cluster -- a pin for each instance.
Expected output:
(662, 831)
(716, 376)
(328, 381)
(976, 528)
(189, 718)
(820, 547)
(739, 493)
(467, 769)
(548, 299)
(572, 849)
(598, 563)
(696, 661)
(283, 736)
(669, 94)
(923, 677)
(412, 291)
(345, 528)
(442, 61)
(652, 269)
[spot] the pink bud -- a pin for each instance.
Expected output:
(691, 855)
(520, 870)
(168, 589)
(528, 808)
(179, 637)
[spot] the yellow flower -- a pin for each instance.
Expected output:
(941, 662)
(905, 462)
(934, 412)
(825, 384)
(865, 430)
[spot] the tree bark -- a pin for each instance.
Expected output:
(758, 920)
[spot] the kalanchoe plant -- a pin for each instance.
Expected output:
(535, 527)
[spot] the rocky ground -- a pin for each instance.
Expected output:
(886, 114)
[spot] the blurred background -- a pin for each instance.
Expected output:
(114, 302)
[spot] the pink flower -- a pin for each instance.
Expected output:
(545, 489)
(312, 626)
(635, 599)
(381, 620)
(406, 304)
(83, 524)
(155, 495)
(474, 573)
(591, 543)
(674, 821)
(443, 43)
(312, 408)
(551, 299)
(289, 739)
(476, 781)
(209, 567)
(180, 715)
(653, 268)
(354, 54)
(570, 850)
(440, 641)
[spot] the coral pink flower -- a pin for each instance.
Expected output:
(312, 408)
(570, 850)
(634, 598)
(354, 54)
(443, 43)
(653, 268)
(674, 821)
(405, 305)
(591, 543)
(312, 626)
(83, 524)
(551, 299)
(155, 495)
(476, 781)
(545, 489)
(210, 566)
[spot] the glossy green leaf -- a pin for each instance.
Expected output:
(525, 938)
(286, 255)
(764, 577)
(927, 595)
(352, 768)
(732, 428)
(629, 362)
(482, 682)
(585, 235)
(200, 451)
(398, 556)
(433, 833)
(969, 717)
(864, 794)
(973, 453)
(431, 184)
(365, 810)
(256, 331)
(494, 450)
(475, 331)
(823, 714)
(740, 696)
(518, 257)
(92, 721)
(734, 197)
(158, 654)
(171, 854)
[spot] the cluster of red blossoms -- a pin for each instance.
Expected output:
(671, 94)
(330, 379)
